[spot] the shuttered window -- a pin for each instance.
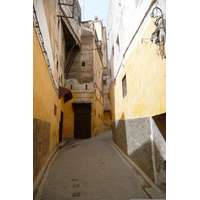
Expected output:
(124, 86)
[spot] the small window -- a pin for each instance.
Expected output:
(59, 80)
(83, 64)
(117, 41)
(86, 87)
(55, 110)
(104, 82)
(113, 51)
(99, 115)
(79, 20)
(71, 87)
(124, 87)
(57, 66)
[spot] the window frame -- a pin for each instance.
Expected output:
(83, 64)
(124, 86)
(55, 110)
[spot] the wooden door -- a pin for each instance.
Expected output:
(82, 120)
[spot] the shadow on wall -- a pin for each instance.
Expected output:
(41, 142)
(119, 134)
(160, 121)
(144, 145)
(141, 159)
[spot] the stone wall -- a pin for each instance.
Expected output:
(68, 10)
(41, 142)
(83, 74)
(141, 140)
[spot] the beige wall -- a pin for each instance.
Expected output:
(79, 76)
(146, 81)
(44, 99)
(134, 129)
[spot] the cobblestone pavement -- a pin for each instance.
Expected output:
(91, 170)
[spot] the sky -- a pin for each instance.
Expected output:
(90, 8)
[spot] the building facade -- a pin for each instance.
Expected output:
(51, 37)
(137, 82)
(84, 113)
(69, 57)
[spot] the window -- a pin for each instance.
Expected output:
(57, 66)
(113, 51)
(59, 80)
(124, 87)
(71, 85)
(55, 110)
(99, 115)
(79, 20)
(86, 86)
(83, 64)
(117, 41)
(104, 82)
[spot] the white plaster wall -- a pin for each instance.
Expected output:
(39, 7)
(124, 18)
(98, 27)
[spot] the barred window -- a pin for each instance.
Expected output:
(124, 87)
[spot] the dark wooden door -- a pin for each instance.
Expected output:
(82, 120)
(60, 127)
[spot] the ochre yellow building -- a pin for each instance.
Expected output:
(68, 63)
(137, 65)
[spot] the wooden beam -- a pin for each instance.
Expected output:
(65, 4)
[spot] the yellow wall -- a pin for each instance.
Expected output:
(96, 122)
(44, 94)
(107, 118)
(146, 82)
(99, 113)
(68, 123)
(98, 99)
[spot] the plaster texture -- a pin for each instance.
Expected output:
(142, 142)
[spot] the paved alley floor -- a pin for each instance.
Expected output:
(91, 170)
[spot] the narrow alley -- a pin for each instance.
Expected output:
(90, 169)
(99, 100)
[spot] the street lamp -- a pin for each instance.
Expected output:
(152, 15)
